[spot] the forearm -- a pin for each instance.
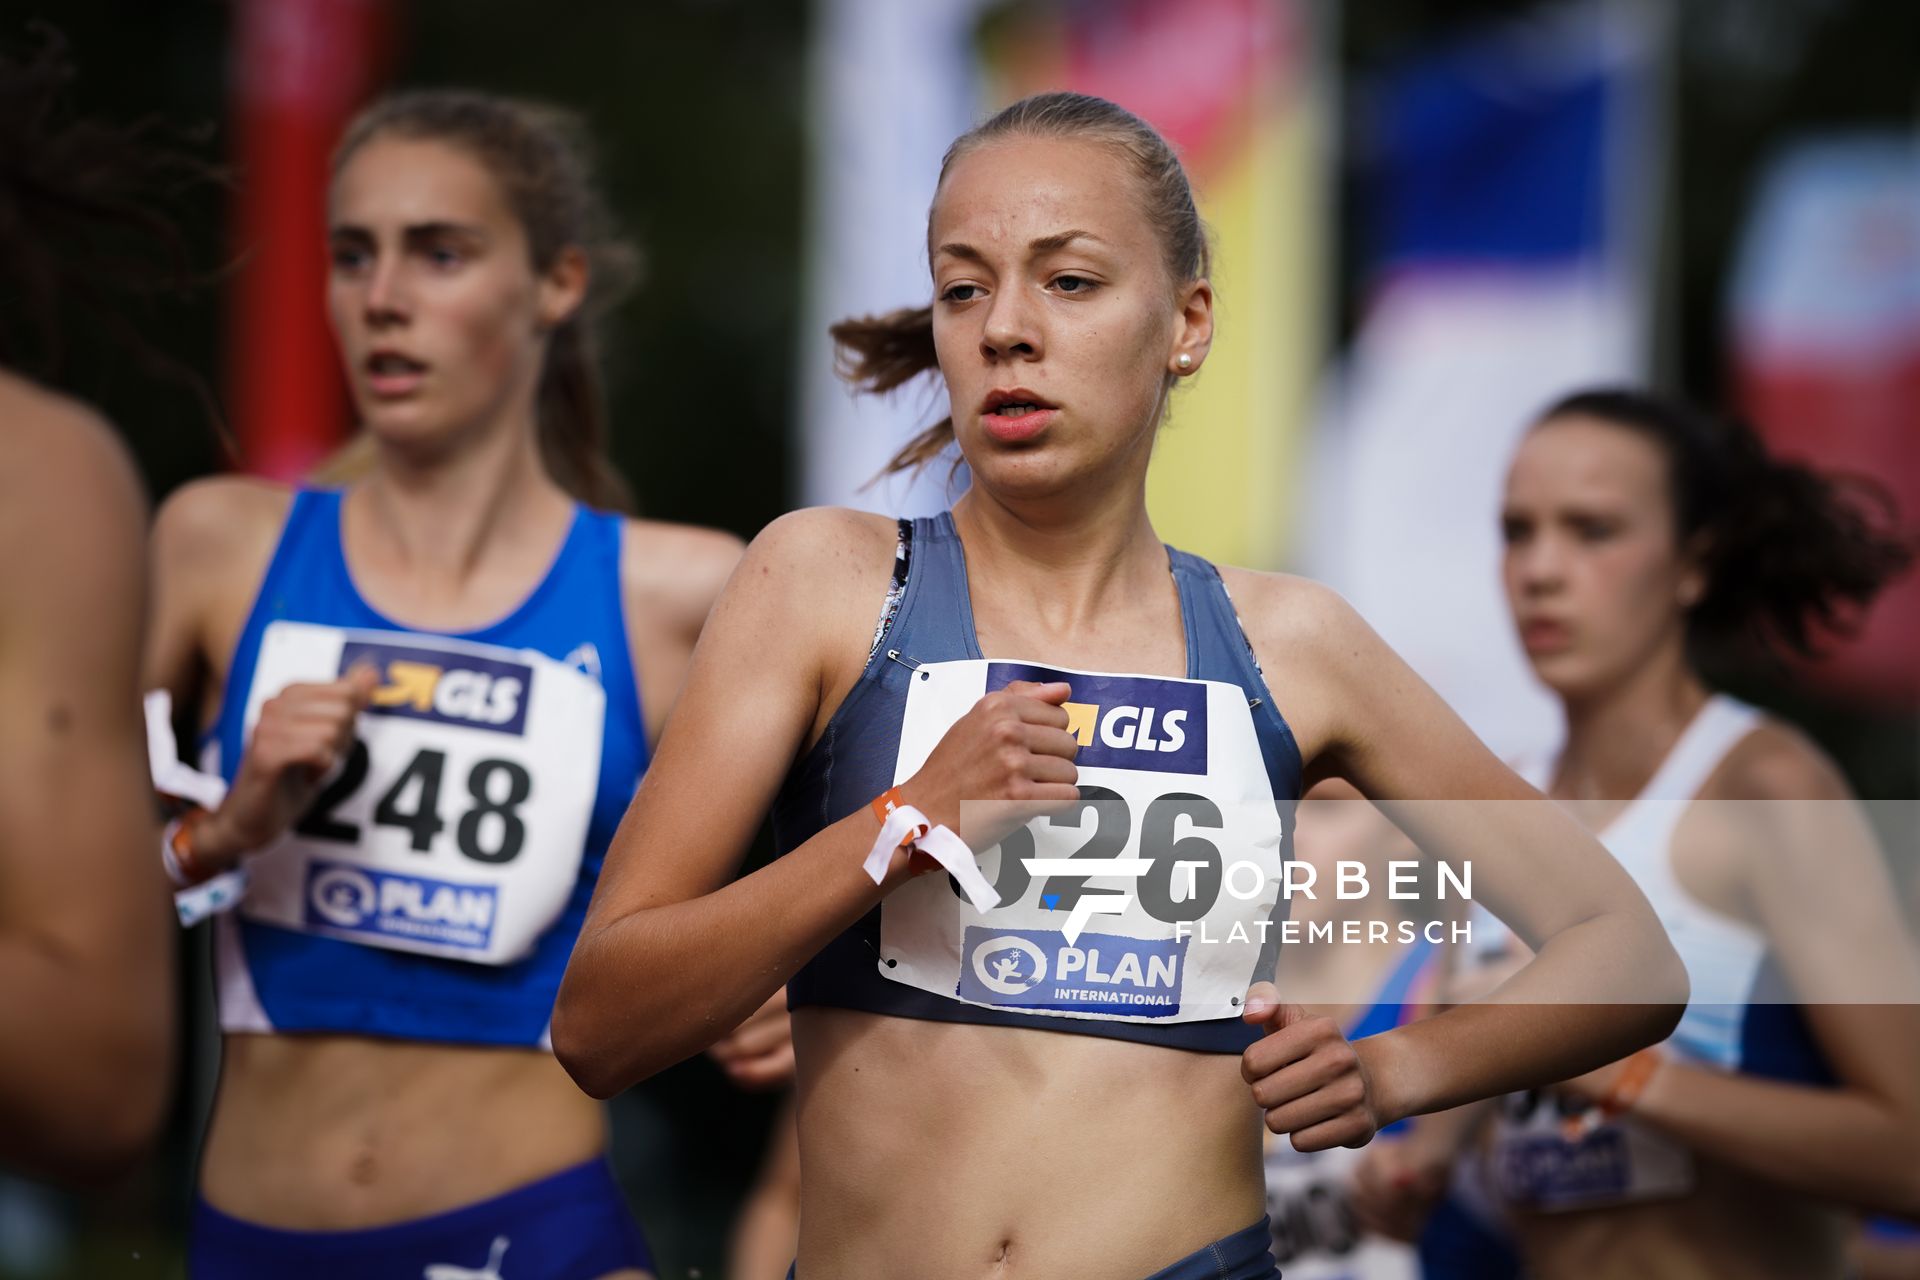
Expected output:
(84, 1084)
(660, 984)
(1833, 1143)
(1589, 997)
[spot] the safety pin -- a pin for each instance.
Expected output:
(1253, 704)
(909, 662)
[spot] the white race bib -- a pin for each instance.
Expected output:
(456, 825)
(1315, 1234)
(1535, 1166)
(1174, 793)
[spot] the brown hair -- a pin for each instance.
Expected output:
(1789, 553)
(539, 156)
(879, 353)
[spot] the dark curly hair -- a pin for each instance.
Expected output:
(87, 218)
(1790, 554)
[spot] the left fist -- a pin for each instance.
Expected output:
(1306, 1076)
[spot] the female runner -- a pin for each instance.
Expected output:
(1638, 530)
(943, 1131)
(432, 695)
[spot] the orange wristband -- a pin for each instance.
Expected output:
(1632, 1082)
(1627, 1087)
(886, 802)
(179, 847)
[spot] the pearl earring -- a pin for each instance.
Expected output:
(1185, 362)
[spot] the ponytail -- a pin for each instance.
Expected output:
(572, 410)
(879, 353)
(1789, 554)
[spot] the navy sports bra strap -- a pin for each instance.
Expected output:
(1218, 649)
(938, 597)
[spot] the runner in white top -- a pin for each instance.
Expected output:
(1638, 535)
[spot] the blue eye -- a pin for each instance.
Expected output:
(444, 257)
(960, 293)
(1080, 284)
(348, 259)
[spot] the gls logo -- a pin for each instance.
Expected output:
(363, 900)
(445, 687)
(1126, 722)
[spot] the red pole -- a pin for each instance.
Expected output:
(300, 68)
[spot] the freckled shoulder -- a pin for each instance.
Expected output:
(822, 572)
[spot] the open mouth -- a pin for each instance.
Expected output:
(391, 375)
(393, 364)
(1016, 402)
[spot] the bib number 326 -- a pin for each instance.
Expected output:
(1180, 834)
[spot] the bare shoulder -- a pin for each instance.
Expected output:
(220, 525)
(825, 549)
(1777, 762)
(675, 571)
(821, 569)
(62, 464)
(832, 534)
(1285, 614)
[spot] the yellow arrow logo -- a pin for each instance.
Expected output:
(413, 682)
(1080, 718)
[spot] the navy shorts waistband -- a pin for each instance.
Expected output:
(573, 1225)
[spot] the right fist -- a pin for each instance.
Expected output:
(1012, 746)
(302, 733)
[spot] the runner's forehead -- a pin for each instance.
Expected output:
(1018, 196)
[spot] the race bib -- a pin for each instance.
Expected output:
(456, 825)
(1535, 1165)
(1315, 1234)
(1155, 899)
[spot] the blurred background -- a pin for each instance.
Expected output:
(1431, 220)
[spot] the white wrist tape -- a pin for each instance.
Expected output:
(906, 825)
(174, 777)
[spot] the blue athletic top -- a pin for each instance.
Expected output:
(275, 979)
(854, 761)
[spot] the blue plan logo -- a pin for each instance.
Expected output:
(1102, 973)
(342, 897)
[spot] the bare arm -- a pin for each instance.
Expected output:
(86, 934)
(1604, 982)
(211, 546)
(672, 956)
(1822, 893)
